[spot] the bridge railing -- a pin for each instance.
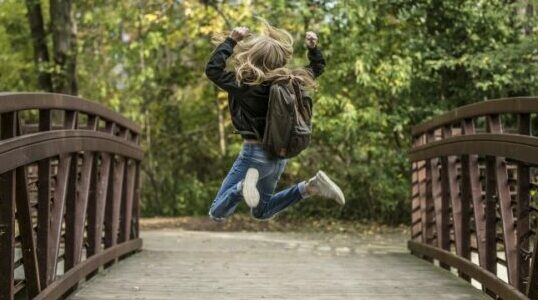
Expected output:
(474, 202)
(69, 192)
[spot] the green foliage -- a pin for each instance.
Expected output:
(391, 64)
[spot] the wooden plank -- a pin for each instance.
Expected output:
(44, 203)
(460, 207)
(127, 202)
(24, 218)
(58, 205)
(362, 274)
(505, 202)
(441, 207)
(472, 189)
(7, 215)
(523, 200)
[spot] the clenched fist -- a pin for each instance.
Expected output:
(239, 33)
(311, 39)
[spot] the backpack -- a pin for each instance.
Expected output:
(288, 122)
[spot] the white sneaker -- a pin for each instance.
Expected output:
(327, 188)
(250, 192)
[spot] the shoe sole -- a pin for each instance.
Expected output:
(250, 192)
(333, 186)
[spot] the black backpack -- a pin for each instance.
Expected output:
(288, 123)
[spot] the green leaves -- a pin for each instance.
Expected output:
(390, 64)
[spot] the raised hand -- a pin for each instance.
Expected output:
(239, 33)
(311, 39)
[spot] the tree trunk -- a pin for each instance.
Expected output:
(41, 52)
(64, 33)
(222, 126)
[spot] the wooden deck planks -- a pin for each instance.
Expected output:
(209, 265)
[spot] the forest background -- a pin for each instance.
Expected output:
(390, 64)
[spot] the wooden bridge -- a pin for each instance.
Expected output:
(69, 212)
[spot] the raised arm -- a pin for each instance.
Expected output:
(317, 62)
(215, 69)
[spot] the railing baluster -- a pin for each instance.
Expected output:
(75, 234)
(127, 201)
(135, 230)
(472, 189)
(7, 215)
(44, 204)
(65, 173)
(441, 208)
(503, 192)
(26, 230)
(115, 190)
(415, 198)
(523, 199)
(460, 207)
(422, 182)
(532, 286)
(490, 213)
(97, 211)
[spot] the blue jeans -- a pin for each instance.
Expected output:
(269, 169)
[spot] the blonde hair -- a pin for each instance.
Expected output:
(263, 58)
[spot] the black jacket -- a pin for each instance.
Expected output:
(247, 103)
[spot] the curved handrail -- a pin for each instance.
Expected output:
(495, 106)
(34, 147)
(21, 101)
(76, 182)
(512, 146)
(504, 290)
(73, 276)
(463, 181)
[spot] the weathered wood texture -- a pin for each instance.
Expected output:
(488, 154)
(53, 186)
(179, 264)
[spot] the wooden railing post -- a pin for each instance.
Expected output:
(505, 204)
(460, 205)
(440, 203)
(135, 229)
(44, 204)
(7, 215)
(523, 200)
(112, 218)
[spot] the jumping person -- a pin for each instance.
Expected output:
(259, 61)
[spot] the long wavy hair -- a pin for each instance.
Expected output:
(263, 58)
